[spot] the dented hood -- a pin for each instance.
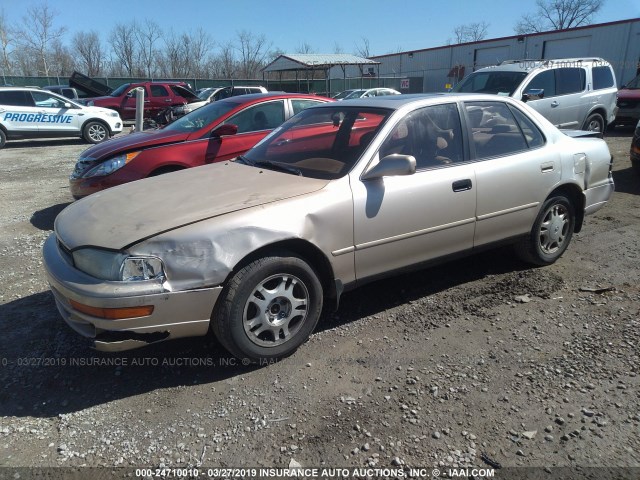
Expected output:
(121, 216)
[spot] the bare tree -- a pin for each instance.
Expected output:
(253, 50)
(37, 33)
(558, 15)
(123, 46)
(63, 63)
(226, 64)
(471, 32)
(90, 52)
(6, 44)
(337, 48)
(304, 47)
(147, 35)
(362, 49)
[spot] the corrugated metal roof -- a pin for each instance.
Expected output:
(302, 61)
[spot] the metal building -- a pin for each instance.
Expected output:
(435, 69)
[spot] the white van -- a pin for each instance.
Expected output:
(572, 93)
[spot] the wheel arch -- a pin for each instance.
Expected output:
(574, 194)
(98, 120)
(602, 112)
(309, 253)
(166, 168)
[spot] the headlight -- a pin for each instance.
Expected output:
(109, 166)
(118, 266)
(113, 114)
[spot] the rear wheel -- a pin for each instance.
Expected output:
(595, 123)
(268, 308)
(95, 132)
(550, 234)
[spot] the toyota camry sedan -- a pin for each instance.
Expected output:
(253, 249)
(216, 132)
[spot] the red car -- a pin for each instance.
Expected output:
(629, 103)
(157, 97)
(218, 131)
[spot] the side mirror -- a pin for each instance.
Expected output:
(533, 94)
(392, 165)
(224, 130)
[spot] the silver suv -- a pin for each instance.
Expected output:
(572, 93)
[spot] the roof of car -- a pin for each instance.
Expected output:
(396, 102)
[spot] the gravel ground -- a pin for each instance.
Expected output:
(482, 362)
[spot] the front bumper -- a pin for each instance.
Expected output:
(175, 314)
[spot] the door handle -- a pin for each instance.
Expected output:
(546, 167)
(554, 104)
(461, 185)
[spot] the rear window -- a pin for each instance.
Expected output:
(602, 78)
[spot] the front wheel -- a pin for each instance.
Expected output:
(95, 132)
(3, 138)
(268, 308)
(550, 234)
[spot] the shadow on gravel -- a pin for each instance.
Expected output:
(17, 144)
(43, 219)
(620, 131)
(46, 369)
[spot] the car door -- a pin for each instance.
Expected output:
(548, 105)
(17, 111)
(55, 116)
(161, 98)
(572, 105)
(403, 220)
(514, 169)
(254, 123)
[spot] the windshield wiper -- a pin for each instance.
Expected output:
(278, 166)
(245, 160)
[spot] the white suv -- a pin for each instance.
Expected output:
(34, 113)
(572, 93)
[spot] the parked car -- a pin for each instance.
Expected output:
(157, 97)
(572, 93)
(635, 149)
(342, 193)
(64, 90)
(220, 93)
(216, 132)
(34, 113)
(365, 93)
(629, 103)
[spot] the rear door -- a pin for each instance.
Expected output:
(514, 170)
(17, 111)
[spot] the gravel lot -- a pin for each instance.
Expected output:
(478, 361)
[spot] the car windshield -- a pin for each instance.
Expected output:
(501, 83)
(201, 117)
(355, 94)
(319, 142)
(120, 90)
(342, 94)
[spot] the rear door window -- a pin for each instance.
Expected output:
(16, 98)
(570, 80)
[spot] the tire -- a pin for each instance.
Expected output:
(550, 234)
(268, 308)
(594, 123)
(3, 138)
(95, 132)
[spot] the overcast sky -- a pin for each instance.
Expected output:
(389, 25)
